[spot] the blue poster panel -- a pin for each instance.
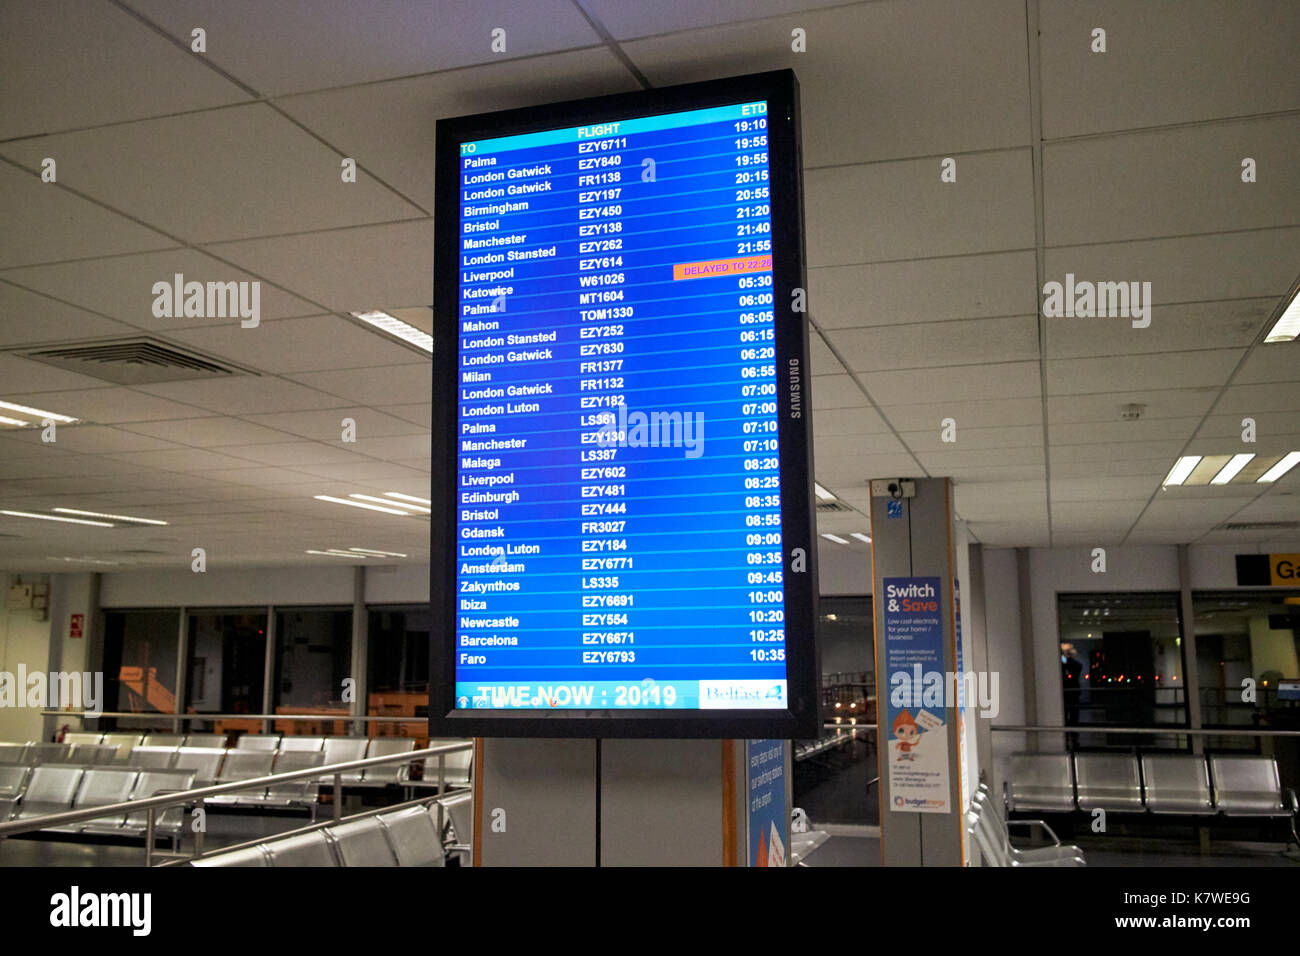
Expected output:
(915, 734)
(769, 817)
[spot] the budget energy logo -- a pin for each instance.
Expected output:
(75, 909)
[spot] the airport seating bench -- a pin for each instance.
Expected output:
(1231, 785)
(405, 837)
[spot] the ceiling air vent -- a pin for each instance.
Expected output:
(1259, 525)
(832, 507)
(134, 361)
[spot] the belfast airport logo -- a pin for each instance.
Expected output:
(658, 429)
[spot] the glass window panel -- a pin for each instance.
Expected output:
(140, 665)
(1121, 660)
(227, 667)
(313, 656)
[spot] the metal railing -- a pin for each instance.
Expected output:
(161, 716)
(1162, 730)
(185, 797)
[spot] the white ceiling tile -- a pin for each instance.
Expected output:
(847, 421)
(1107, 406)
(69, 63)
(1197, 325)
(900, 210)
(395, 385)
(210, 432)
(1107, 433)
(936, 73)
(1275, 362)
(931, 440)
(28, 319)
(19, 375)
(923, 290)
(243, 394)
(122, 287)
(962, 342)
(992, 413)
(1169, 182)
(1158, 370)
(346, 270)
(836, 391)
(293, 454)
(282, 48)
(1190, 59)
(44, 223)
(960, 384)
(301, 345)
(260, 173)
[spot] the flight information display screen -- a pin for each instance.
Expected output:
(620, 513)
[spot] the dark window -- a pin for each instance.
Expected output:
(140, 664)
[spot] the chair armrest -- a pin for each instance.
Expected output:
(1041, 823)
(1289, 799)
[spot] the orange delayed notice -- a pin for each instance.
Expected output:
(721, 267)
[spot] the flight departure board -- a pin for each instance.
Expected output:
(621, 401)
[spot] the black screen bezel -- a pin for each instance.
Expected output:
(802, 718)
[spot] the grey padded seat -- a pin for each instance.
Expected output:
(50, 790)
(1040, 782)
(305, 849)
(13, 754)
(258, 742)
(362, 843)
(169, 820)
(1247, 786)
(82, 738)
(203, 762)
(1108, 782)
(252, 856)
(987, 828)
(99, 788)
(164, 740)
(414, 837)
(456, 765)
(293, 792)
(342, 750)
(389, 773)
(124, 743)
(206, 740)
(13, 781)
(243, 765)
(152, 758)
(93, 755)
(48, 753)
(310, 744)
(458, 811)
(1176, 783)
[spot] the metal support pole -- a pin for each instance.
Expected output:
(149, 836)
(442, 774)
(198, 838)
(338, 796)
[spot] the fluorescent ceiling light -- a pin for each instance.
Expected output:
(26, 410)
(398, 494)
(28, 514)
(335, 554)
(834, 537)
(358, 504)
(96, 514)
(84, 560)
(1289, 461)
(1182, 468)
(864, 538)
(13, 421)
(382, 554)
(396, 327)
(389, 501)
(822, 493)
(1229, 471)
(1287, 327)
